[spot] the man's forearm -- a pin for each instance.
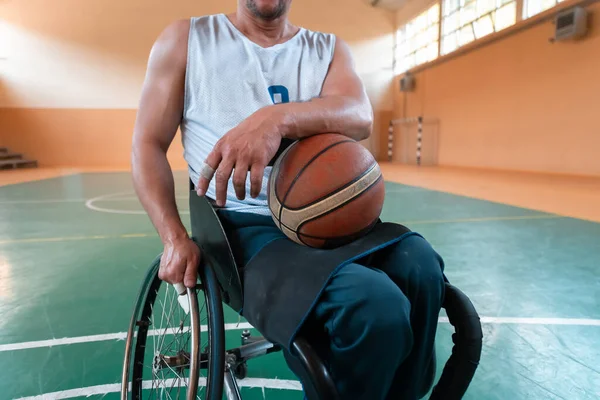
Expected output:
(333, 114)
(153, 181)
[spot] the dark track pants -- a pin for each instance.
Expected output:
(375, 322)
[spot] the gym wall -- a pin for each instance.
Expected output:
(520, 103)
(71, 71)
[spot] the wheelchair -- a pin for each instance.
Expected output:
(187, 352)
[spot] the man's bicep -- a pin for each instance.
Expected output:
(342, 79)
(161, 103)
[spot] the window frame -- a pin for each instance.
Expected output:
(522, 19)
(414, 51)
(524, 12)
(471, 24)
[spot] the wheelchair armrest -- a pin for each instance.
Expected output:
(466, 352)
(208, 233)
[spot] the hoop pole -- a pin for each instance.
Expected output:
(390, 140)
(419, 139)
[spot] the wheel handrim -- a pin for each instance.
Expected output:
(165, 371)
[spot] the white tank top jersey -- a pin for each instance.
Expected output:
(229, 77)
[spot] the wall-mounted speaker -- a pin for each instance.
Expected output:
(570, 24)
(407, 83)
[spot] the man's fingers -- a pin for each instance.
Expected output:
(240, 175)
(191, 273)
(165, 260)
(256, 179)
(208, 170)
(221, 180)
(170, 274)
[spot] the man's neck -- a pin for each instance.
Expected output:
(266, 33)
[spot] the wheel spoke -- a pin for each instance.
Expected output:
(163, 369)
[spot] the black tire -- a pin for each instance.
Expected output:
(213, 360)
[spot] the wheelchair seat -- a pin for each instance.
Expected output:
(458, 371)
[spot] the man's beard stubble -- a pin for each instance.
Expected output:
(275, 13)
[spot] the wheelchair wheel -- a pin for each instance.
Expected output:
(167, 348)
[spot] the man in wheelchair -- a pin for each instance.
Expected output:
(241, 87)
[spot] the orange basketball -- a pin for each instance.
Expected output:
(326, 191)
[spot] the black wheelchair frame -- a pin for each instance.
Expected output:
(221, 282)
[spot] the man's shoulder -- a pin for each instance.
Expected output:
(171, 44)
(315, 32)
(175, 36)
(318, 36)
(177, 28)
(172, 41)
(180, 28)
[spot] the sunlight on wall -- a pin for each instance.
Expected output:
(73, 72)
(374, 59)
(373, 55)
(65, 75)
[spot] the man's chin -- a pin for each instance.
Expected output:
(266, 13)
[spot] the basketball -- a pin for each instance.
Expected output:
(326, 191)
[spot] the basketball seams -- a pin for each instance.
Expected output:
(274, 200)
(298, 217)
(329, 212)
(333, 210)
(304, 167)
(357, 182)
(336, 191)
(291, 233)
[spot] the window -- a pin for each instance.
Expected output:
(533, 7)
(467, 20)
(417, 42)
(462, 21)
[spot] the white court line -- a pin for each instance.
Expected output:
(108, 197)
(245, 325)
(100, 338)
(282, 384)
(535, 321)
(541, 321)
(49, 201)
(52, 201)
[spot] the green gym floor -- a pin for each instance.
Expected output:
(73, 251)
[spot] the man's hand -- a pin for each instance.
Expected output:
(247, 147)
(179, 262)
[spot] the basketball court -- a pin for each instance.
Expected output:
(75, 248)
(485, 126)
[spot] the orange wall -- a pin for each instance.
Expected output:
(520, 103)
(72, 70)
(76, 137)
